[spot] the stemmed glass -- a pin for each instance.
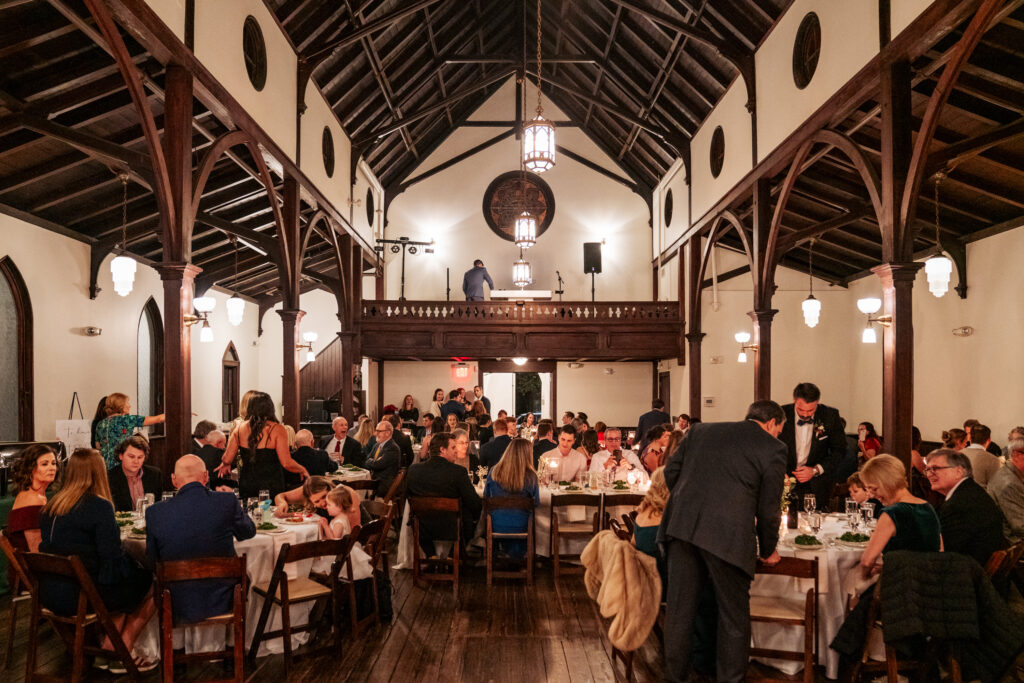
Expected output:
(814, 519)
(810, 503)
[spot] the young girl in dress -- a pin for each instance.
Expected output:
(343, 507)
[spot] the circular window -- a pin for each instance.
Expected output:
(668, 208)
(717, 151)
(327, 143)
(370, 208)
(806, 49)
(507, 196)
(255, 52)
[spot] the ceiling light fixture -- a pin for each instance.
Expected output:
(869, 306)
(519, 360)
(235, 305)
(938, 268)
(539, 134)
(522, 273)
(811, 306)
(122, 268)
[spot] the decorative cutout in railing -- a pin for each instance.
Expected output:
(535, 312)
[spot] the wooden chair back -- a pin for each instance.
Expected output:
(20, 591)
(1003, 562)
(425, 506)
(578, 530)
(510, 503)
(785, 612)
(359, 485)
(620, 530)
(396, 491)
(614, 500)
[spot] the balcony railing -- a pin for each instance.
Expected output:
(539, 312)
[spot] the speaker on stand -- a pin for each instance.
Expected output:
(591, 262)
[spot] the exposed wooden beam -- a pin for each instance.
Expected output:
(138, 163)
(506, 59)
(794, 239)
(726, 276)
(319, 54)
(957, 152)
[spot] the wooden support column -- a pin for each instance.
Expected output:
(351, 348)
(694, 335)
(291, 250)
(763, 355)
(763, 267)
(290, 319)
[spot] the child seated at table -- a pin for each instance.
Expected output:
(342, 506)
(860, 494)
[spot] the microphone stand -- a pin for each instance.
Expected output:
(560, 291)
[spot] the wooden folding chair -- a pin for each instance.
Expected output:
(619, 529)
(615, 500)
(571, 530)
(361, 485)
(790, 611)
(397, 491)
(432, 507)
(285, 592)
(89, 612)
(510, 503)
(383, 511)
(372, 536)
(1003, 562)
(20, 592)
(168, 573)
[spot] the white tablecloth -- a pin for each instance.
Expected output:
(260, 556)
(838, 574)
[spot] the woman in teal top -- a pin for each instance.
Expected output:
(119, 425)
(648, 519)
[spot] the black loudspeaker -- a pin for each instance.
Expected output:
(591, 257)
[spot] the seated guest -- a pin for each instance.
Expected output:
(1015, 433)
(451, 422)
(79, 520)
(342, 507)
(32, 473)
(682, 423)
(1007, 488)
(211, 455)
(869, 444)
(544, 442)
(570, 461)
(364, 434)
(409, 414)
(656, 453)
(311, 497)
(981, 437)
(118, 425)
(201, 434)
(195, 523)
(613, 457)
(860, 494)
(567, 417)
(486, 431)
(502, 414)
(439, 477)
(403, 440)
(466, 454)
(956, 439)
(589, 445)
(385, 459)
(453, 406)
(491, 452)
(648, 520)
(340, 447)
(133, 479)
(971, 521)
(984, 465)
(599, 429)
(428, 425)
(316, 461)
(99, 416)
(437, 402)
(513, 475)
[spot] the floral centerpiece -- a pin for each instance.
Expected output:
(787, 486)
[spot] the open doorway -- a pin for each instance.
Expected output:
(519, 389)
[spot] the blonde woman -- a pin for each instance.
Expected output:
(648, 518)
(290, 431)
(364, 433)
(118, 425)
(243, 409)
(513, 476)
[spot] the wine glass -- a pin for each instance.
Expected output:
(810, 503)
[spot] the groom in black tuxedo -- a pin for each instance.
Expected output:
(813, 434)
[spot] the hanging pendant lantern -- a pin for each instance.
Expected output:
(938, 268)
(525, 230)
(236, 310)
(522, 273)
(539, 134)
(122, 268)
(811, 306)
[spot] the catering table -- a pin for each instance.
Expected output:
(260, 556)
(838, 575)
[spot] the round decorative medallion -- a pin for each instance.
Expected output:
(717, 151)
(370, 208)
(254, 51)
(327, 144)
(667, 213)
(510, 193)
(806, 49)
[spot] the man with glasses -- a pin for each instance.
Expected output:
(613, 457)
(385, 458)
(1007, 487)
(971, 522)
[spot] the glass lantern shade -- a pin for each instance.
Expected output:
(122, 270)
(742, 337)
(522, 273)
(310, 337)
(539, 144)
(526, 230)
(742, 358)
(812, 311)
(938, 269)
(869, 305)
(869, 336)
(519, 361)
(310, 356)
(206, 333)
(204, 304)
(236, 310)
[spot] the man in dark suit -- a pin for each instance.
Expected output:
(816, 444)
(478, 394)
(201, 434)
(211, 455)
(133, 479)
(404, 442)
(385, 459)
(197, 522)
(724, 477)
(544, 441)
(439, 477)
(491, 452)
(340, 447)
(655, 416)
(314, 460)
(972, 523)
(453, 405)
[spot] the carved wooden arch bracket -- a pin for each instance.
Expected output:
(723, 224)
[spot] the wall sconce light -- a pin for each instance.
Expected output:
(869, 306)
(203, 305)
(519, 361)
(309, 338)
(743, 338)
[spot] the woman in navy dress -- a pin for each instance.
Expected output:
(513, 476)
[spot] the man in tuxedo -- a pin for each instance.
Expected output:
(197, 522)
(314, 460)
(210, 454)
(340, 447)
(385, 459)
(491, 452)
(478, 392)
(453, 405)
(726, 482)
(544, 441)
(404, 442)
(439, 477)
(971, 521)
(814, 438)
(655, 416)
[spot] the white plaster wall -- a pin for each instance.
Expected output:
(664, 236)
(903, 12)
(172, 13)
(369, 231)
(731, 114)
(616, 399)
(849, 39)
(218, 44)
(319, 115)
(421, 378)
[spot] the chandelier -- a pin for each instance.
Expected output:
(522, 273)
(811, 306)
(235, 305)
(539, 134)
(122, 268)
(938, 268)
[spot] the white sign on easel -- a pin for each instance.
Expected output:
(74, 434)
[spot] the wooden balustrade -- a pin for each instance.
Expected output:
(540, 312)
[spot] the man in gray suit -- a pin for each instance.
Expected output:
(723, 477)
(473, 281)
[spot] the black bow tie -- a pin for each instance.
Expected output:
(801, 422)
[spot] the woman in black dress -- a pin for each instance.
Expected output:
(79, 520)
(265, 457)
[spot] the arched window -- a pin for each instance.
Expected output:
(151, 361)
(230, 383)
(16, 418)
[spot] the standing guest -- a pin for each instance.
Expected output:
(570, 461)
(600, 428)
(589, 445)
(453, 406)
(513, 476)
(342, 448)
(119, 424)
(656, 453)
(613, 457)
(132, 478)
(385, 458)
(32, 473)
(567, 417)
(919, 485)
(409, 413)
(486, 432)
(101, 412)
(544, 442)
(648, 520)
(263, 444)
(969, 427)
(477, 409)
(200, 435)
(984, 465)
(491, 452)
(970, 520)
(528, 424)
(211, 454)
(502, 414)
(243, 410)
(981, 437)
(583, 416)
(439, 477)
(402, 439)
(79, 520)
(655, 416)
(478, 392)
(474, 427)
(473, 281)
(363, 434)
(316, 461)
(868, 442)
(708, 542)
(195, 523)
(1007, 488)
(813, 434)
(437, 402)
(683, 423)
(957, 439)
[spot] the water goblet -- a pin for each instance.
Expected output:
(867, 512)
(852, 513)
(815, 522)
(150, 499)
(810, 503)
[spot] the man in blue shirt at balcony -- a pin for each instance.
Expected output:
(473, 281)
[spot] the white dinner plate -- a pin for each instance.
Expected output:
(851, 544)
(278, 530)
(796, 546)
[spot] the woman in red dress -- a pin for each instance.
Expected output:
(31, 475)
